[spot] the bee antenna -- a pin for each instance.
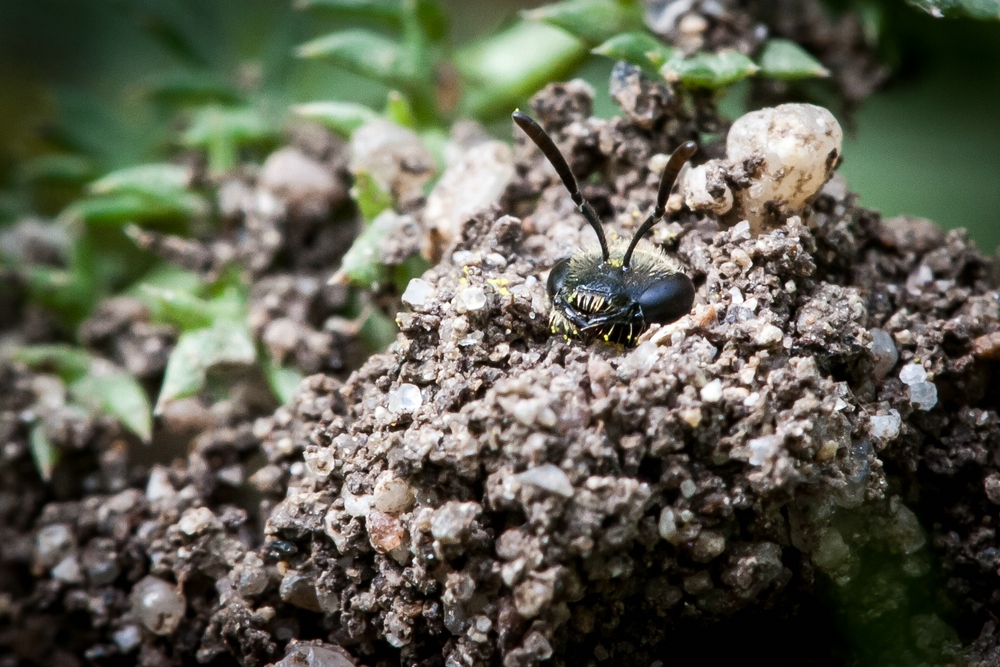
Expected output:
(674, 164)
(548, 148)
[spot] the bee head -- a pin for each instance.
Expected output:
(617, 290)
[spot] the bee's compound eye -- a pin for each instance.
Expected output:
(557, 276)
(667, 299)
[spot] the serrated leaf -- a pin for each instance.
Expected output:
(198, 351)
(341, 117)
(178, 307)
(506, 68)
(708, 70)
(786, 60)
(107, 389)
(284, 382)
(45, 455)
(637, 48)
(370, 198)
(362, 52)
(360, 265)
(593, 21)
(987, 10)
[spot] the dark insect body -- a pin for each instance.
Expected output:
(614, 292)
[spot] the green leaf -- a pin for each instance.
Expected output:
(378, 332)
(784, 59)
(360, 265)
(708, 70)
(59, 168)
(107, 389)
(284, 382)
(154, 179)
(45, 455)
(69, 363)
(593, 21)
(399, 110)
(506, 68)
(432, 18)
(370, 198)
(97, 384)
(221, 130)
(362, 52)
(190, 87)
(637, 48)
(988, 10)
(122, 207)
(178, 307)
(198, 351)
(341, 117)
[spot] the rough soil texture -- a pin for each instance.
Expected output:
(764, 476)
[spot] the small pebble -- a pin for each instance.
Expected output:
(406, 398)
(158, 605)
(712, 392)
(923, 395)
(884, 353)
(885, 427)
(418, 293)
(471, 299)
(550, 478)
(912, 373)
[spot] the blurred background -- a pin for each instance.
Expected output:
(78, 73)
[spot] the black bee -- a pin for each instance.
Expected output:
(616, 293)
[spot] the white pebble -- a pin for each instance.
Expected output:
(158, 605)
(668, 524)
(924, 395)
(912, 373)
(763, 449)
(769, 335)
(885, 427)
(198, 520)
(406, 398)
(712, 392)
(392, 495)
(884, 353)
(471, 299)
(418, 293)
(548, 477)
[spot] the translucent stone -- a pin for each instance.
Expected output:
(392, 495)
(68, 571)
(923, 395)
(912, 373)
(688, 488)
(712, 392)
(550, 478)
(471, 299)
(198, 520)
(452, 519)
(418, 293)
(127, 638)
(314, 655)
(320, 461)
(884, 353)
(385, 532)
(158, 605)
(831, 550)
(668, 524)
(52, 543)
(763, 449)
(885, 427)
(406, 398)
